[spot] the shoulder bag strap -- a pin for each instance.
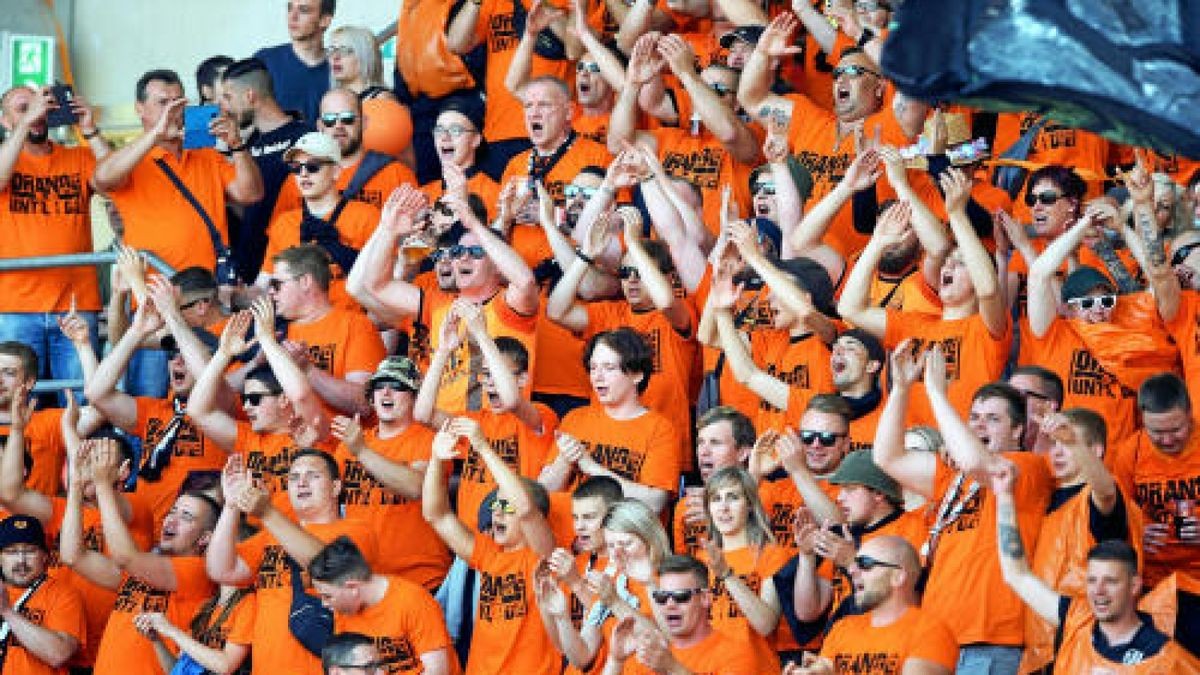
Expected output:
(213, 233)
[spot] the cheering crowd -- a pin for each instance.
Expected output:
(615, 337)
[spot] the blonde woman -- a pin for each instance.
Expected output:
(354, 63)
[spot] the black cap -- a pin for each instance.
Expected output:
(22, 530)
(1082, 281)
(749, 33)
(467, 106)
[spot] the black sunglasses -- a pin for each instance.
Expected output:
(1183, 252)
(1046, 198)
(866, 562)
(628, 272)
(331, 119)
(765, 188)
(853, 71)
(255, 397)
(458, 251)
(311, 166)
(680, 597)
(394, 385)
(1105, 301)
(827, 438)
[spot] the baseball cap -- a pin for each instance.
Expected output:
(470, 108)
(398, 368)
(857, 468)
(22, 530)
(316, 144)
(1083, 280)
(749, 33)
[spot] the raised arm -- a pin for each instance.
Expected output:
(225, 660)
(797, 300)
(754, 87)
(956, 185)
(435, 502)
(812, 593)
(721, 120)
(371, 281)
(791, 455)
(914, 470)
(769, 388)
(855, 304)
(861, 175)
(14, 496)
(461, 34)
(1013, 564)
(299, 387)
(964, 448)
(10, 151)
(1043, 286)
(522, 291)
(1163, 281)
(644, 65)
(116, 406)
(247, 185)
(539, 18)
(202, 407)
(508, 392)
(654, 281)
(296, 541)
(1091, 467)
(610, 66)
(563, 305)
(761, 616)
(401, 478)
(935, 239)
(450, 340)
(113, 172)
(93, 565)
(221, 559)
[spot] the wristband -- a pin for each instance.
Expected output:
(240, 148)
(89, 135)
(584, 257)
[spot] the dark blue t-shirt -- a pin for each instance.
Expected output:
(298, 86)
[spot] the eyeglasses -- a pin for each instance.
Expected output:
(254, 398)
(765, 188)
(1183, 252)
(866, 563)
(277, 283)
(502, 506)
(854, 70)
(1087, 302)
(721, 89)
(628, 272)
(452, 130)
(1047, 198)
(339, 50)
(682, 596)
(345, 117)
(581, 67)
(458, 251)
(826, 438)
(311, 166)
(573, 191)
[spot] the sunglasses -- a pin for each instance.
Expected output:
(277, 283)
(331, 119)
(1183, 252)
(502, 506)
(254, 398)
(765, 188)
(581, 67)
(458, 250)
(1085, 303)
(628, 272)
(310, 167)
(1046, 198)
(826, 438)
(721, 89)
(394, 385)
(854, 71)
(452, 130)
(866, 563)
(680, 597)
(573, 191)
(443, 208)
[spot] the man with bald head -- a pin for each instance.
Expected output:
(891, 627)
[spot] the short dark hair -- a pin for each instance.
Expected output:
(1115, 550)
(684, 564)
(330, 462)
(214, 509)
(1048, 377)
(1091, 423)
(744, 435)
(24, 353)
(1064, 178)
(1163, 393)
(307, 259)
(832, 404)
(661, 255)
(328, 7)
(195, 278)
(1009, 394)
(210, 69)
(338, 562)
(536, 491)
(516, 352)
(601, 172)
(157, 75)
(339, 648)
(636, 357)
(606, 488)
(265, 376)
(251, 73)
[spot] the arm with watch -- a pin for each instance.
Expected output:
(761, 608)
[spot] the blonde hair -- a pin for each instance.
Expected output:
(362, 42)
(630, 516)
(758, 527)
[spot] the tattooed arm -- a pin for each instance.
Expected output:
(1032, 590)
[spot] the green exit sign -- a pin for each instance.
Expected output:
(31, 60)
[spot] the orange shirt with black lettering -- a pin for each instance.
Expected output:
(558, 368)
(237, 628)
(717, 654)
(801, 362)
(862, 429)
(966, 589)
(1055, 143)
(406, 623)
(685, 537)
(703, 160)
(751, 313)
(906, 291)
(43, 442)
(857, 646)
(478, 183)
(45, 210)
(643, 450)
(193, 451)
(1184, 328)
(419, 555)
(375, 192)
(341, 342)
(582, 153)
(354, 226)
(753, 566)
(158, 218)
(973, 357)
(123, 649)
(509, 636)
(522, 449)
(54, 606)
(276, 651)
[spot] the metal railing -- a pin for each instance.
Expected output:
(38, 262)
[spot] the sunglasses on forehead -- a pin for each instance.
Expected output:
(682, 596)
(345, 117)
(1087, 302)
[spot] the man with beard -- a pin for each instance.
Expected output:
(299, 68)
(41, 617)
(45, 190)
(247, 94)
(891, 628)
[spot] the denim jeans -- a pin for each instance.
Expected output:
(56, 355)
(146, 374)
(988, 660)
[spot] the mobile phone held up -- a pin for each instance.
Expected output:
(196, 119)
(63, 115)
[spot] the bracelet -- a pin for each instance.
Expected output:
(240, 148)
(584, 257)
(89, 135)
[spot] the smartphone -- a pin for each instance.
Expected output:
(63, 115)
(196, 119)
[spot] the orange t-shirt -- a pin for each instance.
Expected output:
(275, 650)
(54, 606)
(375, 192)
(966, 589)
(752, 313)
(509, 636)
(124, 650)
(158, 218)
(753, 566)
(780, 499)
(522, 449)
(704, 161)
(419, 555)
(237, 628)
(856, 646)
(47, 212)
(592, 127)
(1158, 482)
(1077, 653)
(908, 292)
(802, 363)
(862, 429)
(558, 369)
(973, 357)
(1185, 330)
(583, 152)
(479, 184)
(43, 442)
(717, 654)
(405, 624)
(341, 342)
(1054, 144)
(643, 450)
(193, 451)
